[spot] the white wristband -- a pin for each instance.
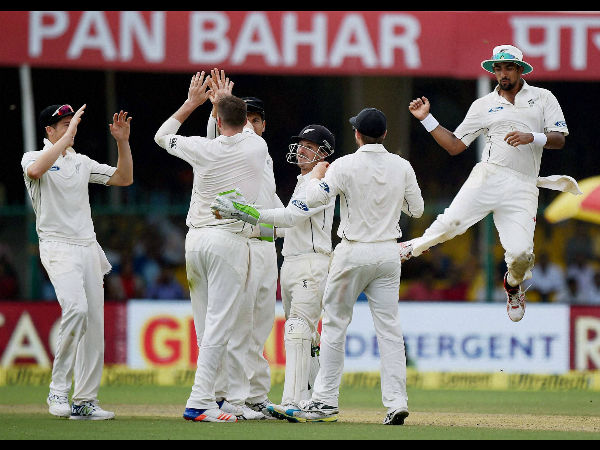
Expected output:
(430, 123)
(539, 139)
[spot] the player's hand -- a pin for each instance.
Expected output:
(320, 170)
(197, 93)
(225, 208)
(220, 86)
(72, 129)
(516, 138)
(419, 107)
(120, 128)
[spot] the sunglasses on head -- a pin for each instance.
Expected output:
(64, 109)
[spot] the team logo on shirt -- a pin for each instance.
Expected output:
(496, 109)
(54, 168)
(531, 102)
(300, 204)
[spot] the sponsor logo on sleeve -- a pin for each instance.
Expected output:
(561, 123)
(324, 186)
(300, 204)
(495, 109)
(173, 142)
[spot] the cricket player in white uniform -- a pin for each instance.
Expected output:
(245, 394)
(217, 253)
(306, 251)
(375, 187)
(518, 121)
(57, 181)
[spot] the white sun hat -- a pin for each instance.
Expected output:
(506, 53)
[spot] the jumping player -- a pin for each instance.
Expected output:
(518, 121)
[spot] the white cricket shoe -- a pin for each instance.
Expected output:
(312, 411)
(208, 415)
(58, 405)
(229, 408)
(90, 411)
(283, 411)
(396, 417)
(249, 414)
(515, 301)
(262, 407)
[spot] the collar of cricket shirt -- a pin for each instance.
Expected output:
(523, 97)
(379, 148)
(48, 144)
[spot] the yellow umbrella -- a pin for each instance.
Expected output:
(583, 207)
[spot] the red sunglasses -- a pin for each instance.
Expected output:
(64, 109)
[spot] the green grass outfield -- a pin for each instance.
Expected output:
(154, 412)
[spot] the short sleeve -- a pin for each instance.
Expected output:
(28, 159)
(471, 126)
(554, 119)
(100, 173)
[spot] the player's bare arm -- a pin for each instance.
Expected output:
(555, 139)
(197, 95)
(420, 108)
(49, 157)
(120, 130)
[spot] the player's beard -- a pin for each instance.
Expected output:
(507, 86)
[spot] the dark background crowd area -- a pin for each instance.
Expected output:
(142, 227)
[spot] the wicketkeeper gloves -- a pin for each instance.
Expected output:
(231, 205)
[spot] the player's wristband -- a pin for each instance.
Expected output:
(430, 123)
(540, 139)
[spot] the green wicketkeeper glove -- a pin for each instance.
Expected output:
(230, 205)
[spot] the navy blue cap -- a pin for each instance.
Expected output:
(254, 104)
(370, 122)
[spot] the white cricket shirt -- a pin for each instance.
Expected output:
(375, 187)
(267, 197)
(310, 230)
(221, 164)
(535, 110)
(60, 197)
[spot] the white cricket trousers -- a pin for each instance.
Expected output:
(372, 268)
(512, 197)
(245, 375)
(303, 280)
(262, 286)
(217, 267)
(76, 272)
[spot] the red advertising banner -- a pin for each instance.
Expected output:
(585, 338)
(28, 332)
(559, 45)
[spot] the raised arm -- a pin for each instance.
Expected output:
(419, 108)
(48, 157)
(120, 130)
(197, 95)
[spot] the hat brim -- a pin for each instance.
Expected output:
(489, 65)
